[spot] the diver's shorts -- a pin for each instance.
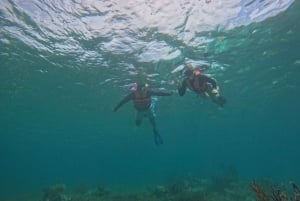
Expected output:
(144, 113)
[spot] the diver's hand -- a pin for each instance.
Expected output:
(215, 92)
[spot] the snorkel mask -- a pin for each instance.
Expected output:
(142, 87)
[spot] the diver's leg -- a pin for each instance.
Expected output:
(152, 121)
(157, 138)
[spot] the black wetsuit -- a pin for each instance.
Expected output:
(190, 84)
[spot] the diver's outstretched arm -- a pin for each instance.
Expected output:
(123, 101)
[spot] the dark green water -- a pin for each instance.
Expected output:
(58, 88)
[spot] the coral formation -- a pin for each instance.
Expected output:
(259, 191)
(276, 194)
(296, 192)
(55, 193)
(186, 189)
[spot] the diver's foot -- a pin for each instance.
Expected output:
(222, 100)
(158, 139)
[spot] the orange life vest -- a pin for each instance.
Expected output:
(141, 101)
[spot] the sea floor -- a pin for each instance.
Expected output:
(189, 189)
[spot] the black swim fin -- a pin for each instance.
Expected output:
(158, 139)
(221, 100)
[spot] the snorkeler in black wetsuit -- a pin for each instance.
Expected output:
(201, 84)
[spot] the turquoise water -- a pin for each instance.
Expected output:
(66, 64)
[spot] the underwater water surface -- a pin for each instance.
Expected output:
(64, 65)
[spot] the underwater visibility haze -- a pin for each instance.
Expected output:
(64, 65)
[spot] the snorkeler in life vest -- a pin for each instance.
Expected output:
(201, 84)
(141, 97)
